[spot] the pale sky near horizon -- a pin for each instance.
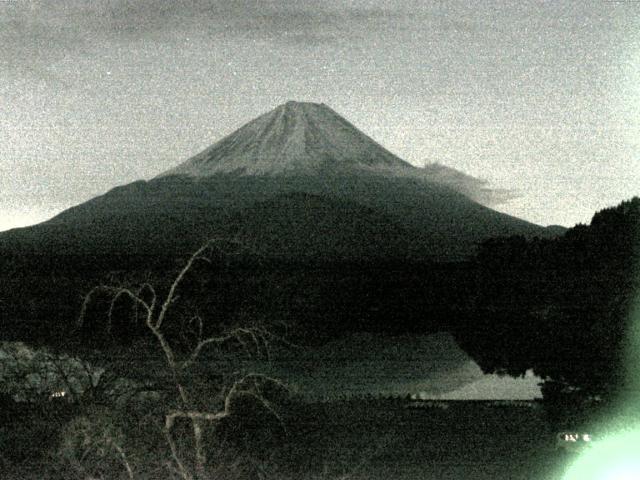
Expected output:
(540, 97)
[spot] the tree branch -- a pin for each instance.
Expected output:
(250, 385)
(172, 290)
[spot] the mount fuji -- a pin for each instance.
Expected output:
(299, 182)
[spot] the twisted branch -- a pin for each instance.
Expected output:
(172, 291)
(257, 337)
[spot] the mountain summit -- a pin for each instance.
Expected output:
(294, 138)
(298, 183)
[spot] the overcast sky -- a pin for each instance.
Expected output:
(538, 97)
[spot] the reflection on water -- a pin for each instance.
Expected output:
(428, 366)
(495, 387)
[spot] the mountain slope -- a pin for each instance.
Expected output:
(293, 138)
(315, 228)
(344, 229)
(271, 184)
(177, 213)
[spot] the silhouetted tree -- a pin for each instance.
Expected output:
(559, 307)
(154, 312)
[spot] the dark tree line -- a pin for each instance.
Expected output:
(559, 306)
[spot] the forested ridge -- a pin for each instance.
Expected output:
(559, 306)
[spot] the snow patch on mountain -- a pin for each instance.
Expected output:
(294, 138)
(303, 138)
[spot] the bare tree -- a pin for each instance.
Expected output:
(155, 315)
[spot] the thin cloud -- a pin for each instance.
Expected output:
(67, 24)
(475, 188)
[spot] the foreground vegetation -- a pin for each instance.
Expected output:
(557, 306)
(350, 439)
